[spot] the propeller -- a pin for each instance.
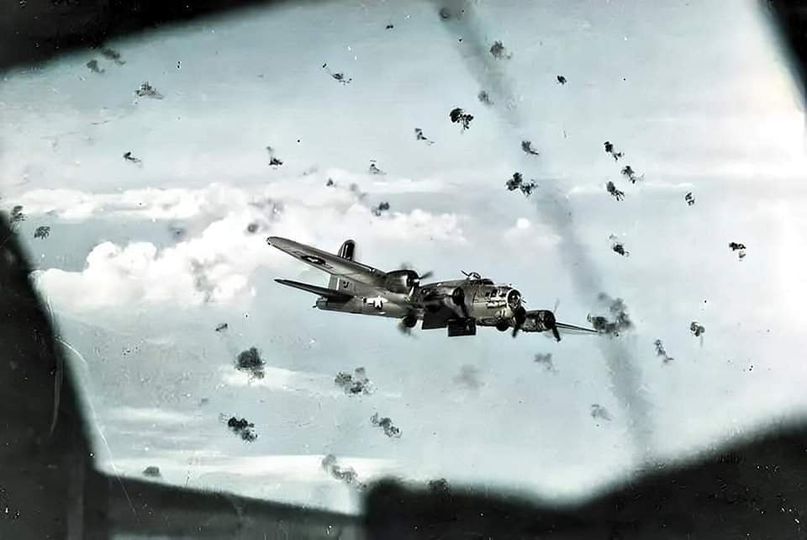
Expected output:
(458, 297)
(424, 275)
(519, 318)
(417, 279)
(407, 323)
(414, 278)
(552, 322)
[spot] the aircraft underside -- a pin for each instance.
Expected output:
(430, 320)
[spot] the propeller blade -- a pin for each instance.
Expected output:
(415, 281)
(458, 297)
(551, 323)
(519, 318)
(407, 323)
(424, 275)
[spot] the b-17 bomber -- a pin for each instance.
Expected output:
(460, 305)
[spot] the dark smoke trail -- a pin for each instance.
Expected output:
(555, 210)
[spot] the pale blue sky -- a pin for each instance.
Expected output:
(698, 98)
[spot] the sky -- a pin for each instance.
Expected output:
(145, 259)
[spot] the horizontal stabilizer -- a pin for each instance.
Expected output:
(330, 294)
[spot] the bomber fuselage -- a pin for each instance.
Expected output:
(483, 300)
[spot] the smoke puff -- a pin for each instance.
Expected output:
(358, 383)
(619, 321)
(346, 474)
(243, 428)
(546, 360)
(660, 351)
(250, 361)
(469, 377)
(390, 430)
(151, 471)
(599, 412)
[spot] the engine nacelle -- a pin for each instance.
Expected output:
(435, 297)
(401, 281)
(513, 299)
(539, 320)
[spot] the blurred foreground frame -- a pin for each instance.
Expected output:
(50, 488)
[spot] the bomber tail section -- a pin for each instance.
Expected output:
(338, 289)
(347, 251)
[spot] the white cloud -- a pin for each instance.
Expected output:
(215, 199)
(217, 265)
(225, 471)
(526, 234)
(287, 380)
(287, 478)
(371, 183)
(284, 380)
(149, 203)
(148, 414)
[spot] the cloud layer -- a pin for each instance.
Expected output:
(217, 264)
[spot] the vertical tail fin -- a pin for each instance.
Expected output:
(347, 251)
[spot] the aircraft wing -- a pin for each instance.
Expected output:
(329, 262)
(564, 328)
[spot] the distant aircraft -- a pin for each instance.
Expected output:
(459, 305)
